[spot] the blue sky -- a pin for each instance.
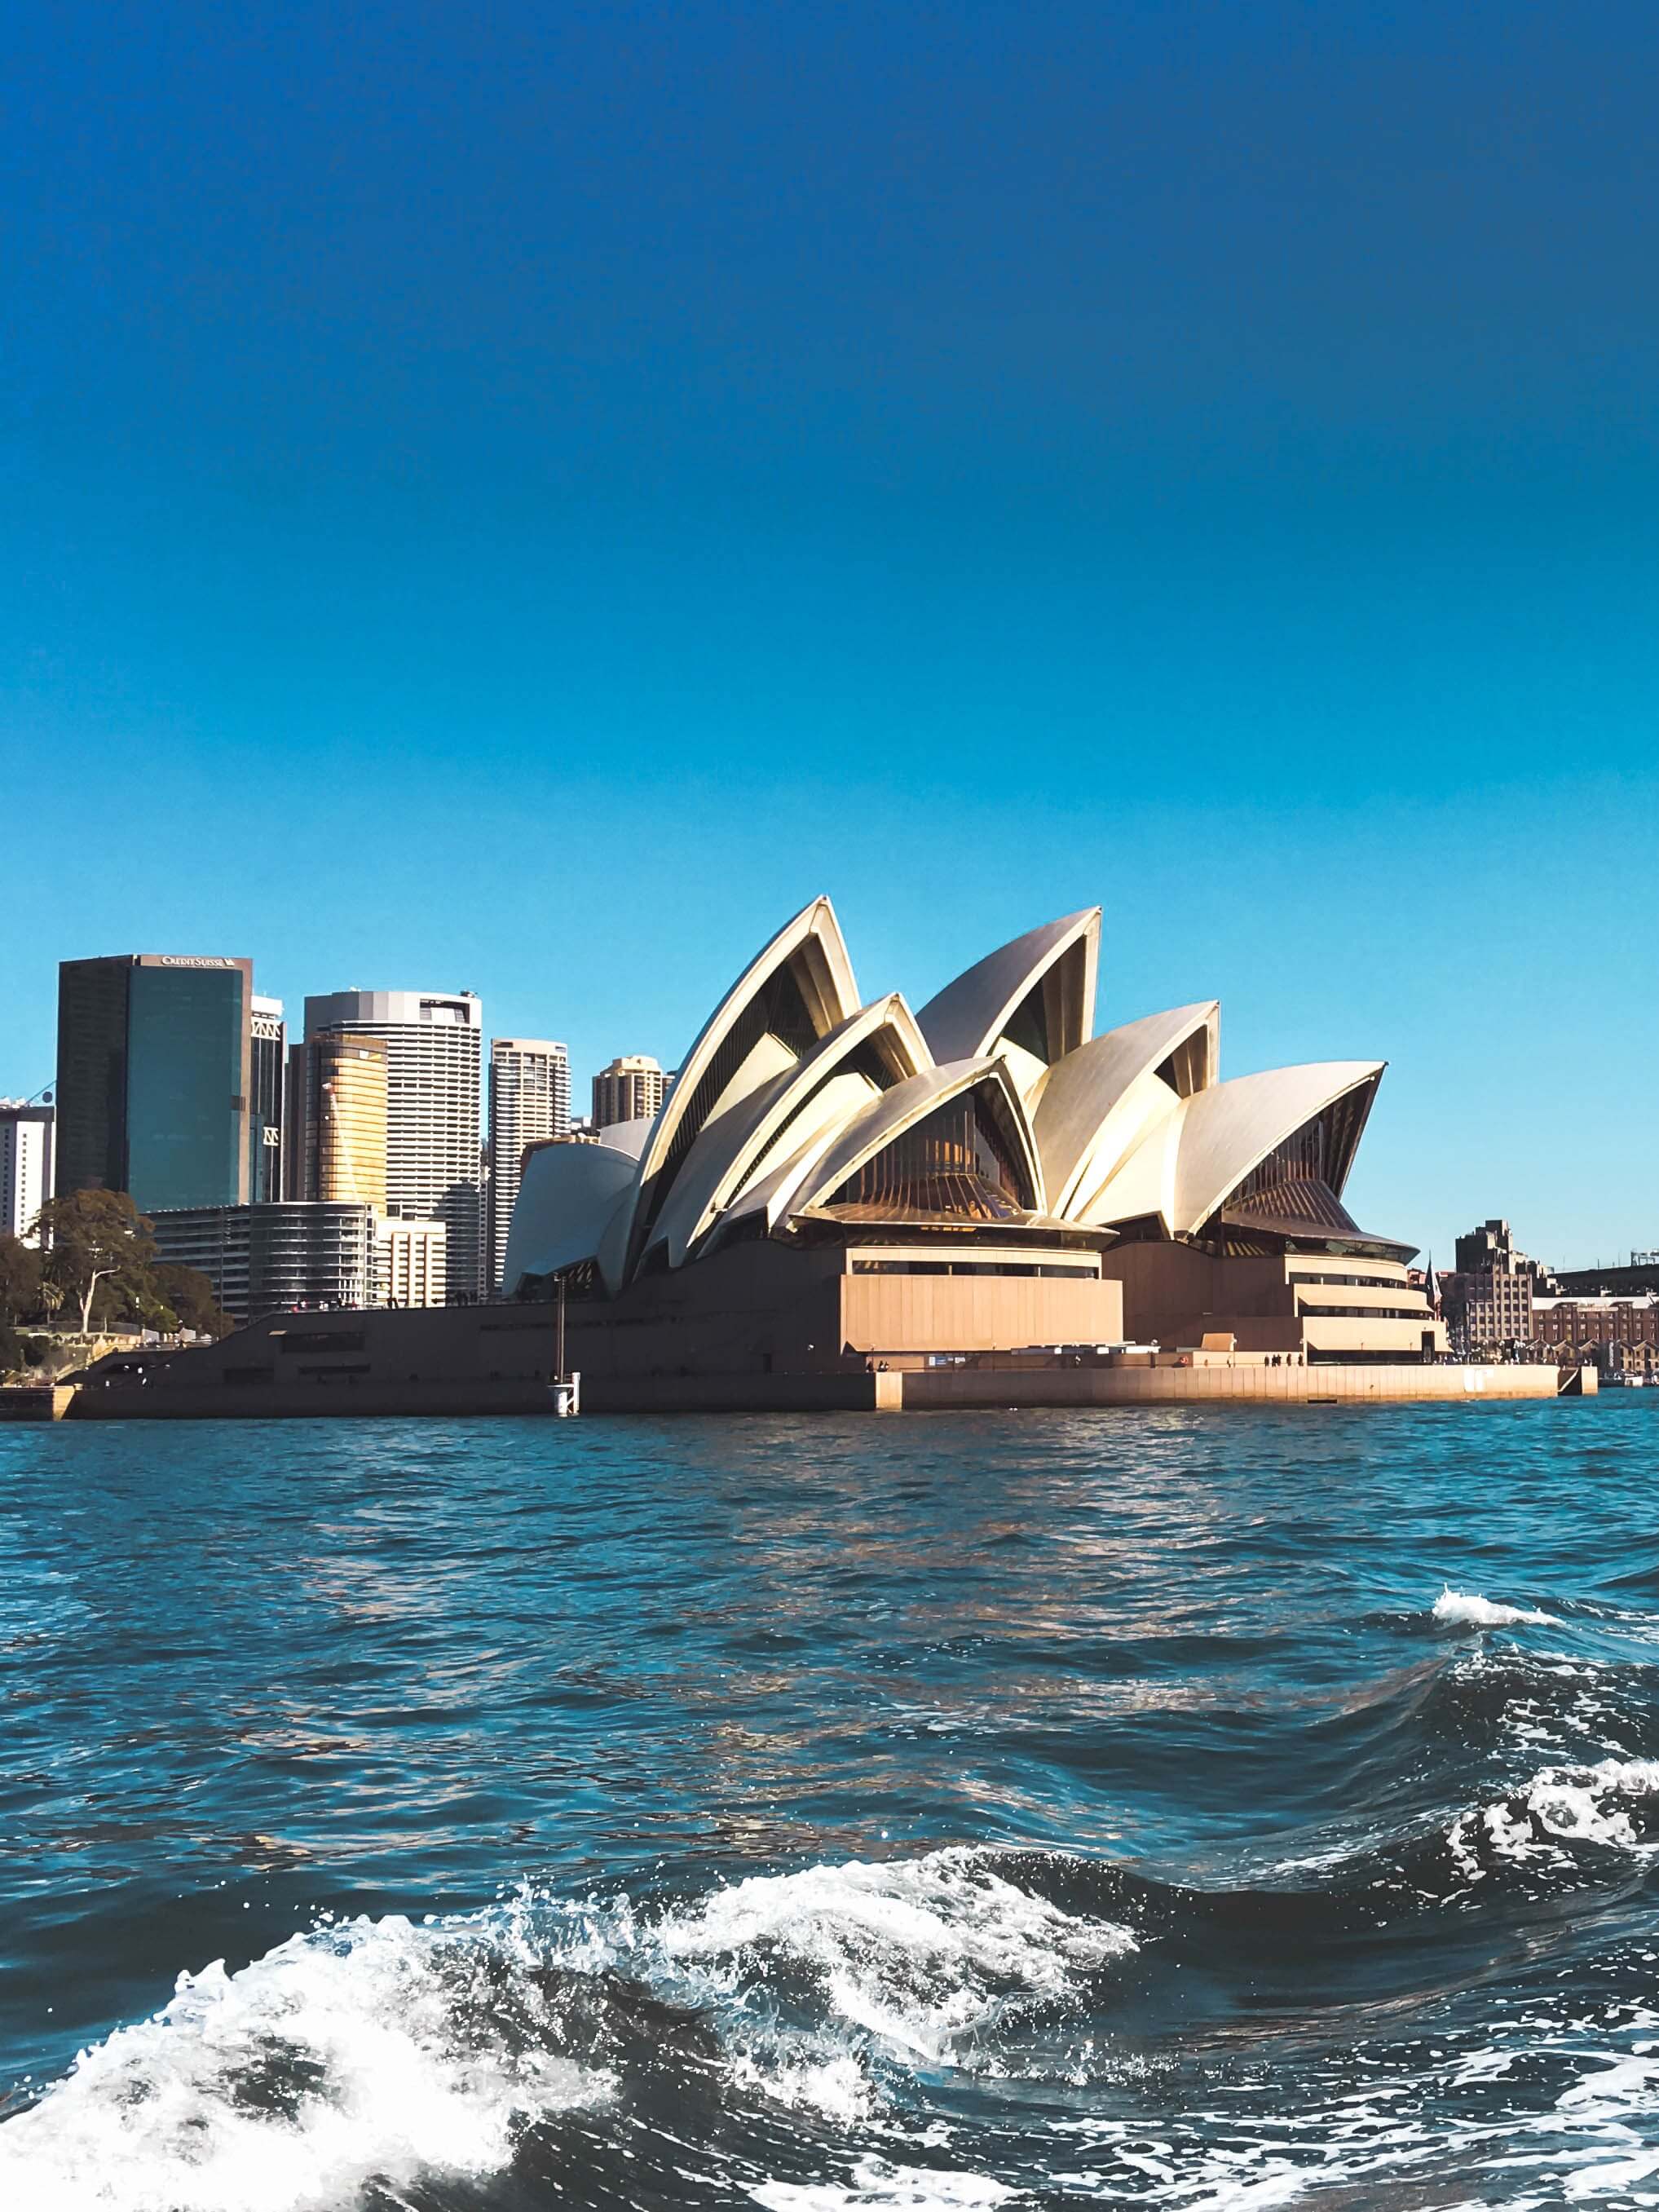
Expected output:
(525, 499)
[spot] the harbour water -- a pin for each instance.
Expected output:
(1142, 1808)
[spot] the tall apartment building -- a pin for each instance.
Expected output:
(267, 1117)
(26, 1165)
(434, 1043)
(338, 1106)
(529, 1103)
(632, 1088)
(155, 1074)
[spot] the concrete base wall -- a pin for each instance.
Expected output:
(906, 1315)
(941, 1389)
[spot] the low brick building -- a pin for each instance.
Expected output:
(1617, 1332)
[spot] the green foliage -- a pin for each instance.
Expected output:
(99, 1269)
(188, 1294)
(101, 1253)
(20, 1279)
(12, 1355)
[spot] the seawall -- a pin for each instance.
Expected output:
(938, 1390)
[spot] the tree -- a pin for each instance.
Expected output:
(189, 1293)
(98, 1237)
(11, 1350)
(20, 1279)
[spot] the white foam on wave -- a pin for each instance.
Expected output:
(874, 2185)
(919, 1954)
(1561, 1805)
(362, 2049)
(1467, 1609)
(1623, 2091)
(382, 2049)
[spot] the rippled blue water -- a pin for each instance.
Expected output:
(1032, 1809)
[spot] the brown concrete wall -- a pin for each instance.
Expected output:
(918, 1391)
(1177, 1296)
(1343, 1334)
(967, 1313)
(942, 1389)
(1170, 1285)
(299, 1402)
(432, 1359)
(760, 1327)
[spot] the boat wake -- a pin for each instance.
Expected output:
(376, 2052)
(851, 2035)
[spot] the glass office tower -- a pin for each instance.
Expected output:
(267, 1130)
(154, 1068)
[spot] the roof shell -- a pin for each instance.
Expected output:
(1230, 1129)
(812, 941)
(1099, 1100)
(569, 1194)
(782, 1115)
(966, 1018)
(901, 1109)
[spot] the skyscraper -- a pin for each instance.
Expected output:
(631, 1088)
(155, 1070)
(529, 1101)
(25, 1165)
(338, 1104)
(266, 1118)
(434, 1048)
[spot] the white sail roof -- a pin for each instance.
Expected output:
(1192, 1159)
(569, 1194)
(1230, 1129)
(1100, 1101)
(792, 1090)
(746, 1041)
(900, 1109)
(1053, 967)
(821, 1091)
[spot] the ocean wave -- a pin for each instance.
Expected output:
(1401, 2129)
(378, 2050)
(370, 2049)
(1466, 1610)
(1610, 1806)
(919, 1953)
(781, 2039)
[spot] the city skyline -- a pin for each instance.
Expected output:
(1624, 1230)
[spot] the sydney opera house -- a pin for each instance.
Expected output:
(836, 1183)
(842, 1204)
